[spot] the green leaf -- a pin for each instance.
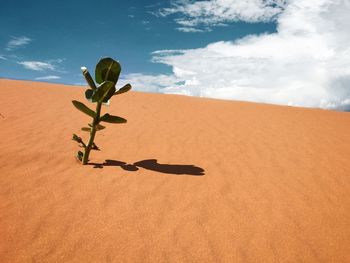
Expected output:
(98, 127)
(112, 119)
(88, 78)
(95, 147)
(109, 95)
(81, 106)
(88, 94)
(103, 92)
(78, 140)
(107, 69)
(79, 155)
(124, 89)
(87, 129)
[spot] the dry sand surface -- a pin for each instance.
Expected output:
(275, 186)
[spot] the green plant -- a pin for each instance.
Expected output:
(106, 76)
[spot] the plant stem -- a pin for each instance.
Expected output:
(92, 134)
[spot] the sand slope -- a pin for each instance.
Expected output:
(275, 187)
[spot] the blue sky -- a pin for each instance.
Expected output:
(288, 52)
(69, 34)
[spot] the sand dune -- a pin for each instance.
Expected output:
(185, 180)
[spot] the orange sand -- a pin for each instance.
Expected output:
(276, 183)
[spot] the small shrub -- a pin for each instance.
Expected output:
(106, 76)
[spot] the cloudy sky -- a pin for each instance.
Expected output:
(289, 52)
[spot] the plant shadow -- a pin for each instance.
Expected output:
(153, 165)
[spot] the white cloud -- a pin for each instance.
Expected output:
(16, 42)
(148, 83)
(190, 29)
(37, 65)
(3, 58)
(306, 63)
(50, 77)
(219, 12)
